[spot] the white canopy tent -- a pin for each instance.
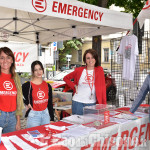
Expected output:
(144, 14)
(46, 21)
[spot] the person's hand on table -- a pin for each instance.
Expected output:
(125, 112)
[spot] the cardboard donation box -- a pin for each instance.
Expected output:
(97, 114)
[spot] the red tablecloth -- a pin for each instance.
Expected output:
(41, 129)
(118, 135)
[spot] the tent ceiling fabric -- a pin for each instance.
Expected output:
(22, 22)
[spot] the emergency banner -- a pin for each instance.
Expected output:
(47, 21)
(132, 135)
(24, 54)
(128, 135)
(73, 10)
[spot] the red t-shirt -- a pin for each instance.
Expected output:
(8, 93)
(40, 96)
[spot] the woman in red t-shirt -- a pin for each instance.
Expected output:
(11, 100)
(38, 98)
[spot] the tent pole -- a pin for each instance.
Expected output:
(38, 45)
(133, 25)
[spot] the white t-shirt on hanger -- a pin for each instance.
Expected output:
(129, 49)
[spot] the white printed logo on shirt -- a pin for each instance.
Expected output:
(89, 78)
(8, 85)
(83, 96)
(128, 51)
(40, 94)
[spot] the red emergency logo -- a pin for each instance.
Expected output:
(40, 94)
(106, 117)
(39, 5)
(147, 5)
(89, 78)
(7, 85)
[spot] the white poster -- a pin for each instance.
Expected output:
(24, 54)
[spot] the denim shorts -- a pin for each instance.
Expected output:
(77, 107)
(8, 121)
(37, 118)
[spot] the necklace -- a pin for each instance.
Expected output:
(90, 85)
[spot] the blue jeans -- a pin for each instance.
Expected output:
(77, 107)
(8, 121)
(37, 118)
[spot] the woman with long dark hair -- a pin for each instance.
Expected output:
(11, 100)
(38, 98)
